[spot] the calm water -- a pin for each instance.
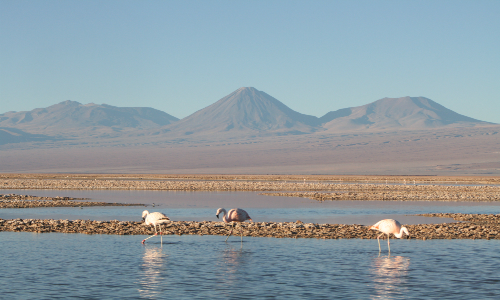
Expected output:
(77, 266)
(199, 206)
(63, 266)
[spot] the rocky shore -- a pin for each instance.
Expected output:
(410, 193)
(270, 177)
(28, 201)
(479, 226)
(315, 190)
(467, 226)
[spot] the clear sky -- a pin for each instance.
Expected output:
(314, 56)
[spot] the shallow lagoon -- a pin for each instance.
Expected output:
(56, 265)
(200, 206)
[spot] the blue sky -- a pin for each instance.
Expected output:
(314, 56)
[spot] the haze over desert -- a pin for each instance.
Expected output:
(251, 132)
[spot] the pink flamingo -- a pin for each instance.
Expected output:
(155, 218)
(389, 226)
(234, 215)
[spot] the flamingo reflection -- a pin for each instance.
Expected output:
(233, 266)
(390, 275)
(151, 279)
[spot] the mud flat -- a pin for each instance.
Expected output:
(28, 201)
(475, 227)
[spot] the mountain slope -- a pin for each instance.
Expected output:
(396, 113)
(246, 110)
(71, 115)
(12, 135)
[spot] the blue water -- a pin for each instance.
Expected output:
(200, 206)
(77, 266)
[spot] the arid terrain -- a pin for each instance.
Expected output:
(250, 132)
(459, 151)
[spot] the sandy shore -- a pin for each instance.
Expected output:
(475, 227)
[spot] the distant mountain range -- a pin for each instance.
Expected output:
(70, 115)
(246, 111)
(396, 113)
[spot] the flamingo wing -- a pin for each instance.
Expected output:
(156, 218)
(237, 215)
(388, 226)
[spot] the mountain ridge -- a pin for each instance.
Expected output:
(248, 110)
(396, 113)
(244, 112)
(72, 115)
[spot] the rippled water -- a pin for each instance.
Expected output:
(55, 265)
(78, 266)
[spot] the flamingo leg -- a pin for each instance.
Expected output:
(378, 240)
(156, 233)
(144, 240)
(241, 234)
(161, 235)
(230, 231)
(388, 244)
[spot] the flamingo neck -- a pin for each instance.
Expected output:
(224, 214)
(400, 234)
(225, 217)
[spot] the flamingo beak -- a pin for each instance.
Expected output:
(217, 216)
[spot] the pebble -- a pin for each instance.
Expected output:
(474, 226)
(28, 201)
(314, 190)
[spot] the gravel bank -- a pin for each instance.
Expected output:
(27, 201)
(427, 193)
(296, 178)
(313, 190)
(476, 227)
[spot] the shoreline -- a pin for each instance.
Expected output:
(419, 179)
(470, 226)
(321, 188)
(28, 201)
(400, 188)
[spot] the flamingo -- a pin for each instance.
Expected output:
(234, 215)
(155, 218)
(389, 226)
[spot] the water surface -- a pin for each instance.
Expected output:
(200, 206)
(77, 266)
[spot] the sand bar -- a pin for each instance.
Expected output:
(474, 227)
